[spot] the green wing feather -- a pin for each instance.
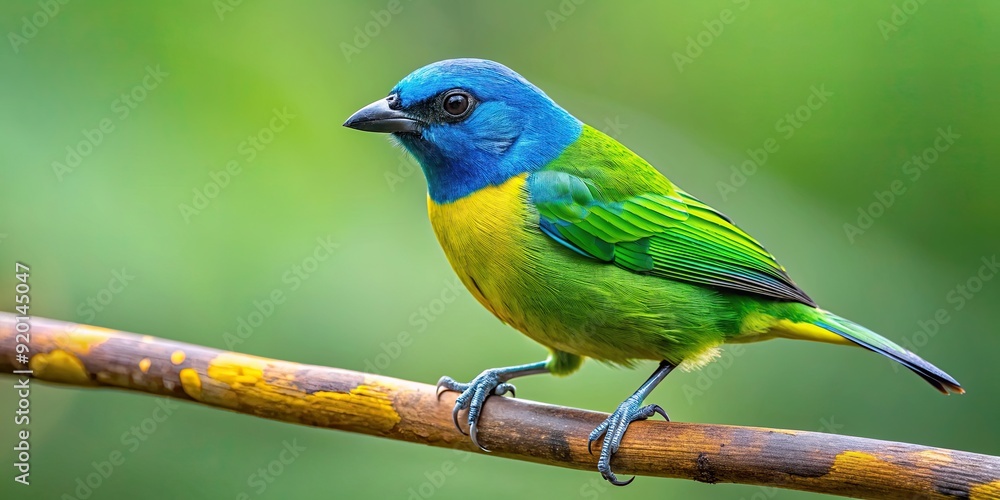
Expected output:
(605, 202)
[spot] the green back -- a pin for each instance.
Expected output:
(605, 202)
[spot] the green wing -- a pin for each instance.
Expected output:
(611, 205)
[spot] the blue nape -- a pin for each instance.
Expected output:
(515, 128)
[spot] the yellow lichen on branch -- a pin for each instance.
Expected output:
(332, 398)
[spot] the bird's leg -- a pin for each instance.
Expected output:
(488, 383)
(613, 429)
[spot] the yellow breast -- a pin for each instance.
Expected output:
(484, 237)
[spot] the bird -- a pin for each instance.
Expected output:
(574, 240)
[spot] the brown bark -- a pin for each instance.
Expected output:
(332, 398)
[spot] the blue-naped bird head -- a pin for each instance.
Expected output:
(471, 124)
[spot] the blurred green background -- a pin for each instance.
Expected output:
(898, 71)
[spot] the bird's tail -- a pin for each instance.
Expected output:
(854, 333)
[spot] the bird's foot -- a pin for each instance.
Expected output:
(613, 429)
(473, 395)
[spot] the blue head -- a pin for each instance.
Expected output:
(471, 123)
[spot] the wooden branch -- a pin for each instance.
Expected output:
(332, 398)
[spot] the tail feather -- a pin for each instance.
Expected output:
(875, 342)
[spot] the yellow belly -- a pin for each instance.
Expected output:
(481, 237)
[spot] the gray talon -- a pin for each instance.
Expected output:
(613, 429)
(473, 396)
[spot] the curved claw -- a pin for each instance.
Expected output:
(593, 439)
(446, 384)
(660, 410)
(504, 388)
(454, 417)
(614, 480)
(474, 434)
(596, 434)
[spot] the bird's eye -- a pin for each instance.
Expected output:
(456, 103)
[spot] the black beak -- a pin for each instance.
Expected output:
(379, 117)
